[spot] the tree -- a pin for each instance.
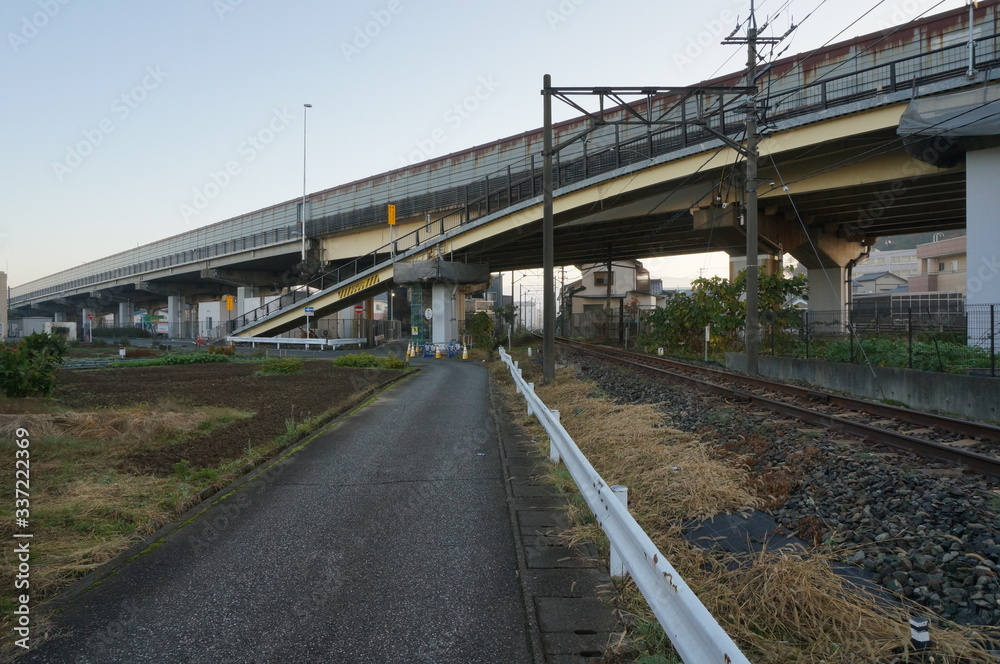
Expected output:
(680, 325)
(482, 330)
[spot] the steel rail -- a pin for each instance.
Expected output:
(979, 463)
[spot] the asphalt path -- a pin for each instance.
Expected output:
(386, 539)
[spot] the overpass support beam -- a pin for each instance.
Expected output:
(829, 297)
(982, 279)
(242, 293)
(125, 314)
(444, 297)
(175, 315)
(828, 258)
(446, 284)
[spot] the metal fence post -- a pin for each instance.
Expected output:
(807, 334)
(617, 566)
(993, 343)
(850, 329)
(909, 336)
(553, 448)
(531, 389)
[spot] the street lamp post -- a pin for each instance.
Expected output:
(972, 41)
(305, 111)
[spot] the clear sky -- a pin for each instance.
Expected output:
(116, 114)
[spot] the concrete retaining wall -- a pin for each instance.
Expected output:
(971, 397)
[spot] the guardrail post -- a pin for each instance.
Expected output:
(531, 389)
(617, 566)
(553, 448)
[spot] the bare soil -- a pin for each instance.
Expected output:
(274, 400)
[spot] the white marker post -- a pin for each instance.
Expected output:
(309, 313)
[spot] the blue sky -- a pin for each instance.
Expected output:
(116, 114)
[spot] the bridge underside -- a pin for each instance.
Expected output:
(888, 194)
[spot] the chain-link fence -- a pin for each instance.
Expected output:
(956, 338)
(617, 325)
(945, 335)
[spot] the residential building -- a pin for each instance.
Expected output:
(630, 284)
(941, 267)
(487, 300)
(900, 262)
(878, 282)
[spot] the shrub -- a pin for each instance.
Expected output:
(221, 350)
(286, 365)
(894, 353)
(357, 361)
(391, 363)
(29, 368)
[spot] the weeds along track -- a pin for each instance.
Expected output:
(971, 445)
(921, 529)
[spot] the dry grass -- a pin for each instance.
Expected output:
(778, 606)
(85, 508)
(127, 425)
(670, 474)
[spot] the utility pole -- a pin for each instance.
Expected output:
(645, 115)
(752, 331)
(548, 246)
(607, 283)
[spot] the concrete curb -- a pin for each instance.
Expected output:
(566, 590)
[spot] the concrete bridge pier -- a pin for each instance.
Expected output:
(982, 278)
(435, 286)
(242, 293)
(125, 314)
(828, 257)
(175, 315)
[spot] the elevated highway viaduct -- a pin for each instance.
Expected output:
(835, 176)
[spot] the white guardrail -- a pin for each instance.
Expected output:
(288, 341)
(695, 634)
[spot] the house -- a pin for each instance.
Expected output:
(629, 281)
(878, 282)
(900, 262)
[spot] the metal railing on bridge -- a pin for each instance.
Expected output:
(510, 186)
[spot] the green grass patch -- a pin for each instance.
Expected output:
(283, 366)
(369, 361)
(174, 360)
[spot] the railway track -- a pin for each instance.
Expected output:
(972, 445)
